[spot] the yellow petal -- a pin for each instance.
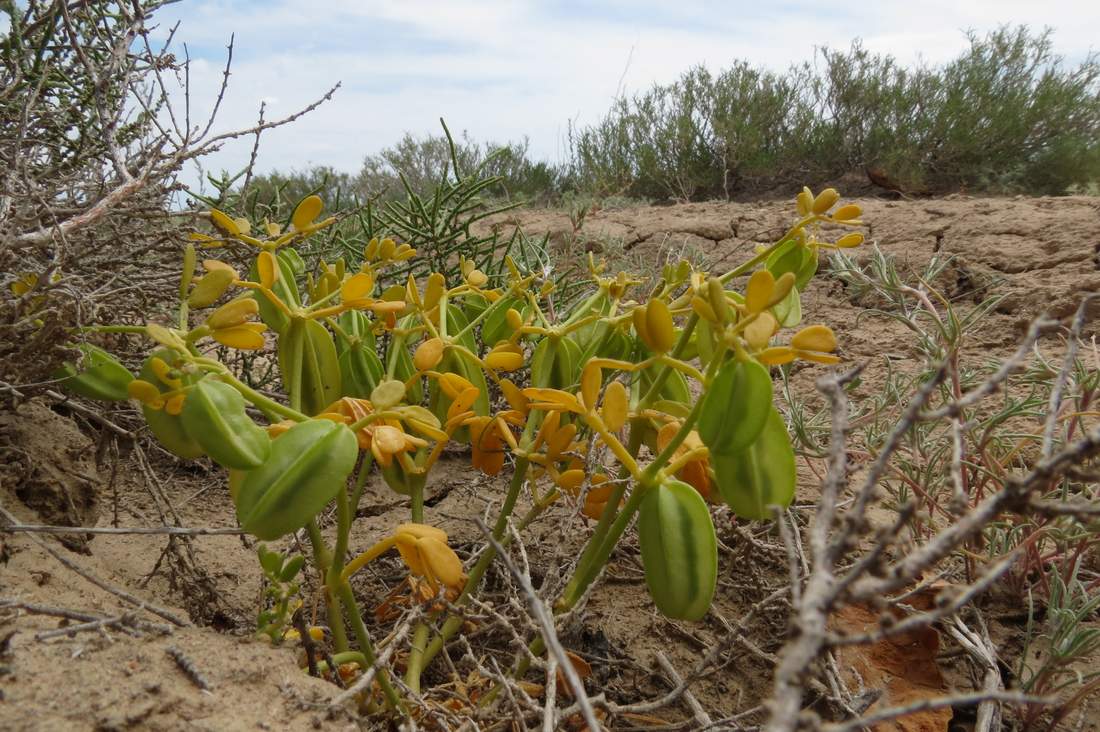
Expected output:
(759, 290)
(815, 338)
(421, 531)
(233, 313)
(356, 287)
(407, 547)
(390, 440)
(514, 396)
(776, 356)
(513, 318)
(370, 251)
(428, 430)
(433, 290)
(761, 330)
(570, 481)
(477, 278)
(279, 428)
(267, 268)
(616, 403)
(847, 212)
(825, 358)
(716, 295)
(442, 562)
(640, 326)
(561, 399)
(164, 372)
(428, 354)
(174, 404)
(549, 426)
(144, 392)
(386, 306)
(559, 441)
(212, 264)
(703, 309)
(242, 337)
(783, 286)
(412, 294)
(225, 224)
(388, 394)
(453, 384)
(849, 241)
(591, 381)
(387, 248)
(805, 201)
(504, 360)
(463, 401)
(307, 210)
(601, 490)
(659, 324)
(210, 287)
(825, 200)
(419, 413)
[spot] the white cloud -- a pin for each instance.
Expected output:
(503, 70)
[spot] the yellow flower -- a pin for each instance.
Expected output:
(389, 440)
(351, 410)
(595, 501)
(425, 552)
(812, 343)
(695, 473)
(486, 444)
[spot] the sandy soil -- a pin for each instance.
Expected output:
(1042, 254)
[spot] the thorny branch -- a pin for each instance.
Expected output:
(91, 155)
(874, 575)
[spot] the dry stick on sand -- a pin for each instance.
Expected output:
(127, 623)
(100, 583)
(874, 576)
(188, 667)
(156, 530)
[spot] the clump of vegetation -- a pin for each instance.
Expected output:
(310, 352)
(384, 379)
(1006, 115)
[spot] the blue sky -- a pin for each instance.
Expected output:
(503, 70)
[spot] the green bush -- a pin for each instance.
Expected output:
(1005, 115)
(420, 159)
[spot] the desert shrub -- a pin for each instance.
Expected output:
(420, 162)
(282, 191)
(1006, 115)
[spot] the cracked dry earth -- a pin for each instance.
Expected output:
(1040, 254)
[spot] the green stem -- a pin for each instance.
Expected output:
(332, 603)
(261, 401)
(416, 485)
(339, 587)
(112, 329)
(606, 519)
(361, 481)
(416, 656)
(746, 266)
(500, 303)
(365, 646)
